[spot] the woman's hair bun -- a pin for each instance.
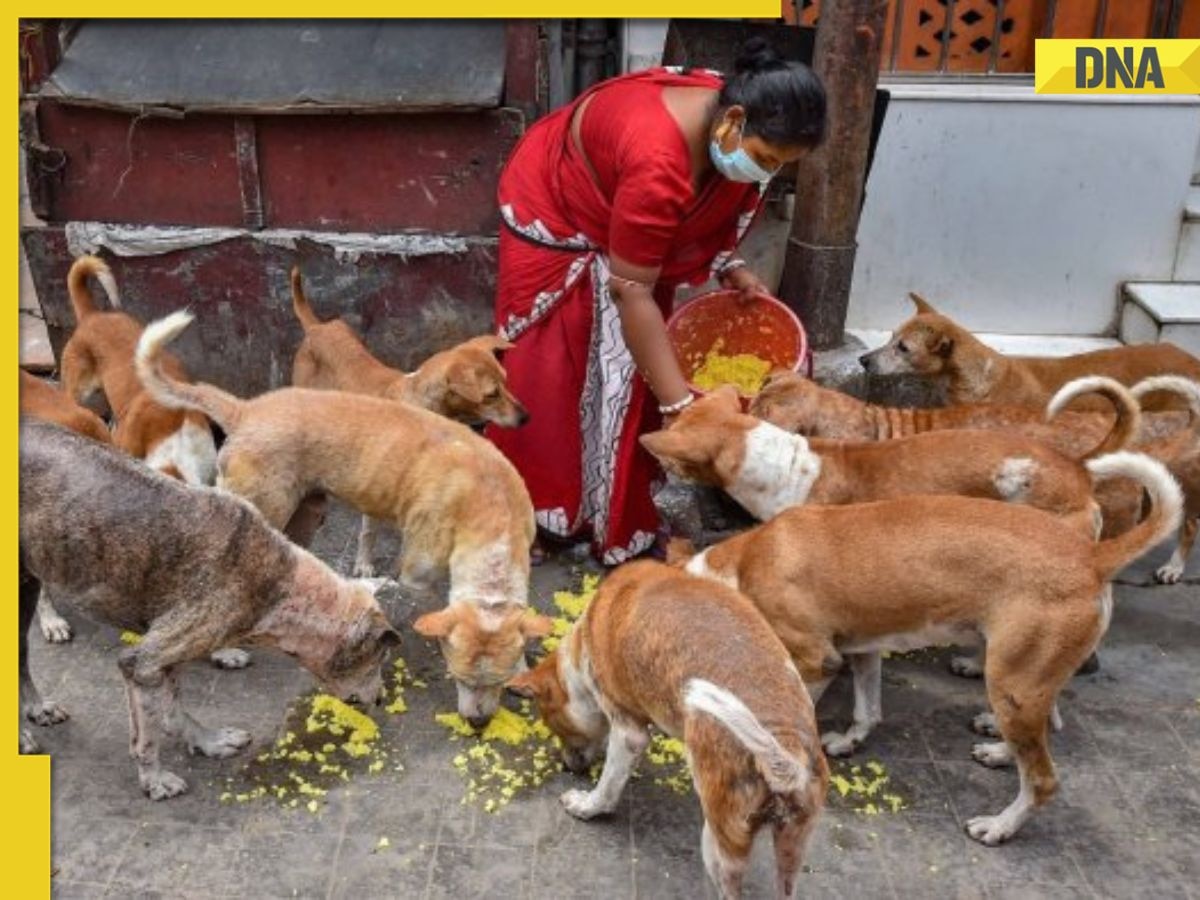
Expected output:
(755, 56)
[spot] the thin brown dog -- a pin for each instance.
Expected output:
(767, 469)
(932, 345)
(465, 383)
(856, 581)
(460, 505)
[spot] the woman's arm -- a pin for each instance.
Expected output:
(645, 332)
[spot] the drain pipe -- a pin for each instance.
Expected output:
(592, 42)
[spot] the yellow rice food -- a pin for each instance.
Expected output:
(327, 742)
(744, 371)
(864, 788)
(515, 753)
(571, 604)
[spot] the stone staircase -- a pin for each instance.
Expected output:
(1154, 311)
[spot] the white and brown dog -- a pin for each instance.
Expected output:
(99, 356)
(767, 469)
(465, 383)
(459, 504)
(697, 661)
(853, 582)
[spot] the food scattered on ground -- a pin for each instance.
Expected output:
(132, 638)
(863, 788)
(516, 752)
(325, 743)
(744, 371)
(571, 605)
(401, 678)
(669, 765)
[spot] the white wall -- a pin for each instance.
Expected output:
(1017, 213)
(644, 40)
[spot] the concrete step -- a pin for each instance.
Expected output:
(1014, 344)
(1156, 312)
(1187, 256)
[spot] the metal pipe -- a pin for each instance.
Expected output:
(554, 53)
(593, 45)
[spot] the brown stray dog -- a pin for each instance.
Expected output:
(898, 575)
(465, 383)
(193, 568)
(99, 356)
(459, 504)
(767, 469)
(932, 345)
(654, 648)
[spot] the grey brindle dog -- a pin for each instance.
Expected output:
(195, 569)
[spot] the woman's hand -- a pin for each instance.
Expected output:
(746, 283)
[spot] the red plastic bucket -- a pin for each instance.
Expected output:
(764, 327)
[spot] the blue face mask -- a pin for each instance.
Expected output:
(738, 165)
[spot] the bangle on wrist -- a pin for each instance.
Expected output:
(670, 409)
(730, 265)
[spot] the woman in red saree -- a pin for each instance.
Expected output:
(644, 183)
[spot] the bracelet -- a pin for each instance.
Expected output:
(678, 406)
(730, 265)
(629, 282)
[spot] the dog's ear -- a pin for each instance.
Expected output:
(437, 624)
(944, 347)
(668, 444)
(491, 343)
(463, 382)
(534, 625)
(526, 684)
(922, 305)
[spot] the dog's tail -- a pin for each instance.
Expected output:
(77, 285)
(1166, 508)
(1129, 412)
(784, 773)
(304, 311)
(1186, 388)
(224, 409)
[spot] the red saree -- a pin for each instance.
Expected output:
(579, 453)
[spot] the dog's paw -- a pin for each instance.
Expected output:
(230, 658)
(55, 629)
(1171, 573)
(990, 830)
(966, 666)
(838, 744)
(45, 713)
(984, 725)
(29, 744)
(219, 742)
(579, 804)
(163, 785)
(995, 755)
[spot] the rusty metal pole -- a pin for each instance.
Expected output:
(829, 183)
